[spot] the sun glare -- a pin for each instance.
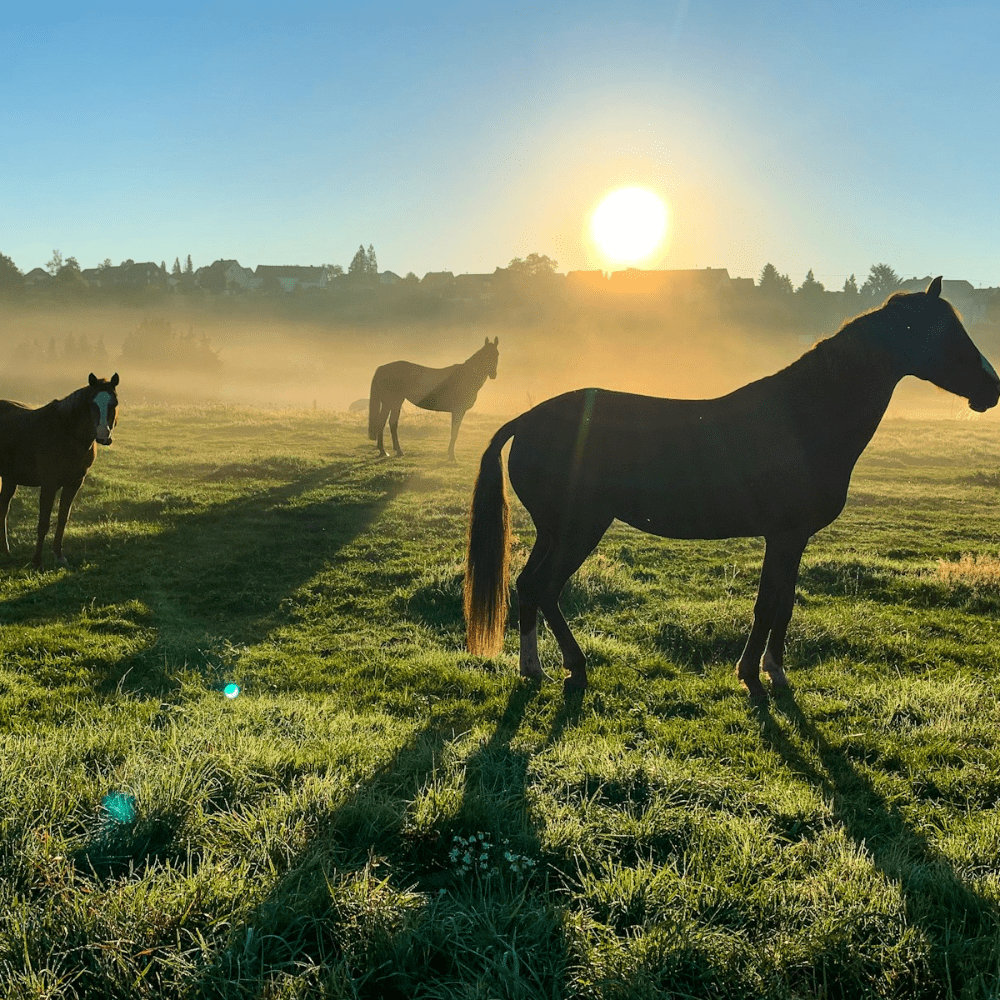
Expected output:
(629, 224)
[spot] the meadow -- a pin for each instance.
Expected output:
(378, 814)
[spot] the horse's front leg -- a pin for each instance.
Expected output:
(456, 422)
(69, 492)
(46, 497)
(771, 615)
(7, 491)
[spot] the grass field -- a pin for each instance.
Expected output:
(378, 814)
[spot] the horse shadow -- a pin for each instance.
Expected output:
(366, 837)
(220, 578)
(947, 910)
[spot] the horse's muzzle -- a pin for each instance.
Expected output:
(105, 441)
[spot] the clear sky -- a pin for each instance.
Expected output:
(457, 136)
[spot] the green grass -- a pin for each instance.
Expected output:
(657, 837)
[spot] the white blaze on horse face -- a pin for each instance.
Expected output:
(103, 430)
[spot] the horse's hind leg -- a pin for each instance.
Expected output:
(394, 424)
(456, 422)
(564, 558)
(7, 491)
(527, 608)
(46, 497)
(69, 492)
(383, 415)
(771, 614)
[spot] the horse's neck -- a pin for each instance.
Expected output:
(845, 390)
(477, 369)
(74, 415)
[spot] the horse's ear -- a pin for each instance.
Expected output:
(934, 288)
(114, 379)
(485, 342)
(93, 379)
(496, 341)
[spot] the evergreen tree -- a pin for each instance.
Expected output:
(371, 264)
(358, 267)
(188, 266)
(773, 283)
(851, 286)
(810, 286)
(176, 269)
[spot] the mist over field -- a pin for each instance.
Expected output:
(227, 351)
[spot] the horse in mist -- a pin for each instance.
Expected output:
(52, 447)
(774, 458)
(451, 390)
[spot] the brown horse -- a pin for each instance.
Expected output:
(52, 447)
(773, 458)
(453, 390)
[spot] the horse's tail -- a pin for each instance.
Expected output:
(374, 408)
(487, 567)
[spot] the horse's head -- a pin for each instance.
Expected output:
(103, 406)
(489, 354)
(934, 346)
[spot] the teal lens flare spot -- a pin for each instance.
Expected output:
(231, 690)
(119, 807)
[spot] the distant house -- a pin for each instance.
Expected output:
(685, 285)
(473, 287)
(36, 276)
(586, 281)
(388, 278)
(225, 277)
(140, 275)
(291, 276)
(438, 283)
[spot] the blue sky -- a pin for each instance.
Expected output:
(457, 136)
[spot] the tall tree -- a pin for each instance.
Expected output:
(851, 287)
(371, 262)
(773, 283)
(810, 286)
(188, 266)
(358, 267)
(55, 263)
(535, 265)
(882, 281)
(176, 269)
(11, 279)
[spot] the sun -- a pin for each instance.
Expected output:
(629, 224)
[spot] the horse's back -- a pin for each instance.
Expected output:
(714, 468)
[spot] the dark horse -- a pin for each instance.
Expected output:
(453, 390)
(773, 458)
(53, 447)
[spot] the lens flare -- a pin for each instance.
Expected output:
(231, 690)
(119, 807)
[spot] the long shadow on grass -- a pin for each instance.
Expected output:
(959, 924)
(218, 575)
(381, 911)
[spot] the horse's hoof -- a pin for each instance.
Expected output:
(575, 682)
(754, 688)
(399, 454)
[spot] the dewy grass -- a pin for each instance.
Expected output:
(655, 837)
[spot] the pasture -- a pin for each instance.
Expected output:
(658, 836)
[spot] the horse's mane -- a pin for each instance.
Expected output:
(856, 338)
